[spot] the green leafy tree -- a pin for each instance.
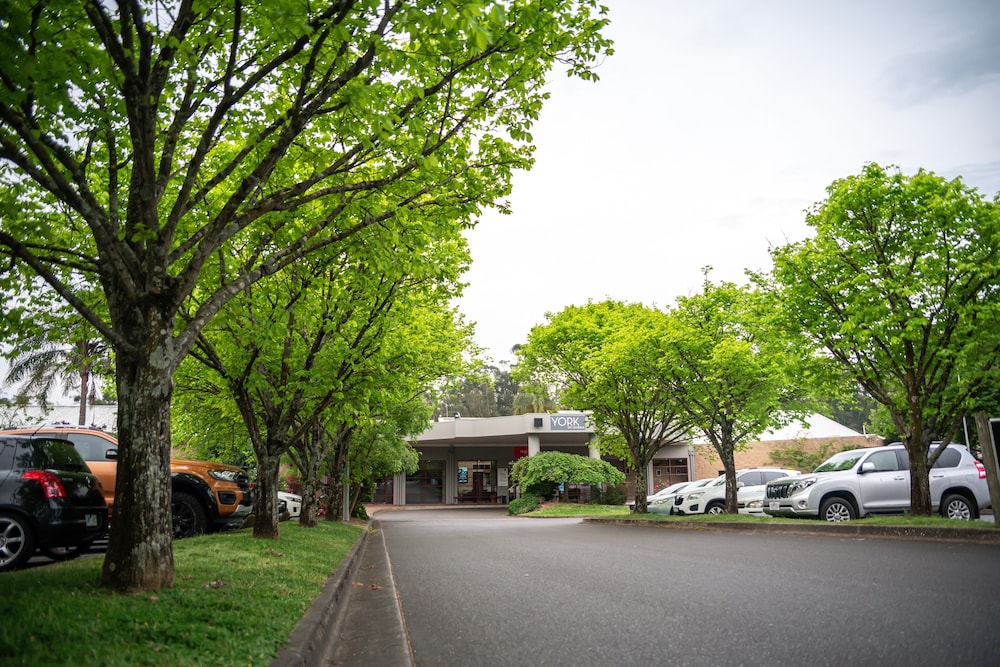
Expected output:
(554, 468)
(731, 372)
(604, 356)
(142, 146)
(901, 287)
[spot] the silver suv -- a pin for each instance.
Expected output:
(876, 480)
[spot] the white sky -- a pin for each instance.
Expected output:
(713, 127)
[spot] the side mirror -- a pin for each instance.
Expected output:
(111, 453)
(740, 485)
(867, 466)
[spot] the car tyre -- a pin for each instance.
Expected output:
(715, 508)
(17, 543)
(955, 506)
(837, 509)
(187, 515)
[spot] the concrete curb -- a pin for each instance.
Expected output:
(847, 529)
(314, 636)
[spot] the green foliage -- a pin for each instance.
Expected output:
(526, 503)
(731, 368)
(602, 357)
(899, 286)
(561, 467)
(615, 495)
(543, 488)
(58, 615)
(177, 162)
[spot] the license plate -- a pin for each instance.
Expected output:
(773, 505)
(93, 521)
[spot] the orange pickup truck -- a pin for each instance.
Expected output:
(205, 496)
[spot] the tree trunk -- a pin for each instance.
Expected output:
(726, 453)
(335, 499)
(265, 523)
(310, 506)
(140, 551)
(84, 386)
(641, 488)
(920, 487)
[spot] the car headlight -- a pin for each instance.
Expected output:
(224, 475)
(801, 485)
(659, 501)
(755, 503)
(696, 495)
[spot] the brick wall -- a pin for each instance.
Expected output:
(758, 454)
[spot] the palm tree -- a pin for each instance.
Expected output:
(38, 364)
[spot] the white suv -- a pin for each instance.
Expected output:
(876, 480)
(711, 499)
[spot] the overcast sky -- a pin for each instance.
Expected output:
(713, 127)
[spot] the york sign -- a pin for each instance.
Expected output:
(568, 422)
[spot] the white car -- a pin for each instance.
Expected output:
(293, 503)
(751, 501)
(662, 493)
(711, 499)
(664, 504)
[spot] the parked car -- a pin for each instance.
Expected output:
(876, 480)
(205, 495)
(293, 504)
(49, 500)
(751, 501)
(665, 504)
(711, 499)
(665, 491)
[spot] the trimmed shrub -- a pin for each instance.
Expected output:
(526, 503)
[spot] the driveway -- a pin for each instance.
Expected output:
(478, 587)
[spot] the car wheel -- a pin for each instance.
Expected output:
(187, 515)
(17, 544)
(715, 508)
(837, 509)
(955, 506)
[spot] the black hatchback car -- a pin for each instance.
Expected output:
(49, 500)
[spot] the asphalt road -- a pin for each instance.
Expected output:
(480, 588)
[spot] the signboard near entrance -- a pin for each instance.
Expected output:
(568, 422)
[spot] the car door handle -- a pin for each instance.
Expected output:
(901, 477)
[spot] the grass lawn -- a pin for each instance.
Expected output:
(235, 601)
(622, 512)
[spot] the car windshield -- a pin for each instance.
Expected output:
(841, 461)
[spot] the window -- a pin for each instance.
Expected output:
(950, 458)
(885, 461)
(669, 471)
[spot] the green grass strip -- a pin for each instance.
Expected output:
(235, 601)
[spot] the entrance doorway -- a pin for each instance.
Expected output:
(477, 482)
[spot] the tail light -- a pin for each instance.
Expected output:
(981, 469)
(51, 484)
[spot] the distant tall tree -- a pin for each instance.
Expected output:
(901, 286)
(53, 359)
